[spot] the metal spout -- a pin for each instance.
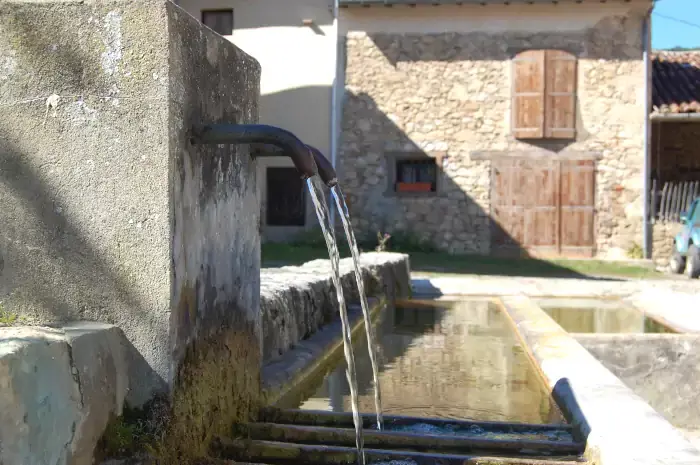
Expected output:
(259, 134)
(325, 170)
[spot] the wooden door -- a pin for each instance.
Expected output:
(542, 207)
(577, 208)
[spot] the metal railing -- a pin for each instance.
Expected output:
(671, 199)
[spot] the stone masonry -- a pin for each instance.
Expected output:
(448, 96)
(663, 235)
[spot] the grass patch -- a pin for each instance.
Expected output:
(441, 263)
(8, 318)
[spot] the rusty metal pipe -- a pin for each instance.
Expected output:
(325, 170)
(226, 133)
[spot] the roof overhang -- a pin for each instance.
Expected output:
(390, 3)
(677, 117)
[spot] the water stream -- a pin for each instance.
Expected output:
(371, 344)
(319, 200)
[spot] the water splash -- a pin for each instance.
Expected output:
(371, 345)
(321, 207)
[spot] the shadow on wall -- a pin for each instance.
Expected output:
(675, 154)
(413, 48)
(438, 122)
(28, 199)
(448, 215)
(598, 42)
(305, 111)
(47, 262)
(44, 264)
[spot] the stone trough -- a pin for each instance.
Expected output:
(624, 394)
(60, 386)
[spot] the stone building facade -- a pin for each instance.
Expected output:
(413, 89)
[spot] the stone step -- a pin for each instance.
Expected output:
(340, 420)
(281, 453)
(510, 445)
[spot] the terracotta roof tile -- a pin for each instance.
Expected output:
(676, 82)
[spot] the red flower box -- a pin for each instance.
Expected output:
(414, 186)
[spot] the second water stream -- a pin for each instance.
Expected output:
(321, 206)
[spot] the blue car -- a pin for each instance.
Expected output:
(686, 244)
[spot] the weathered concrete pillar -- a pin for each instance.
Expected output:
(109, 214)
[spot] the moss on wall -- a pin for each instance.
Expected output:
(218, 386)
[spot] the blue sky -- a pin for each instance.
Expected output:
(683, 31)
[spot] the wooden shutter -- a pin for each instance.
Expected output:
(528, 94)
(560, 95)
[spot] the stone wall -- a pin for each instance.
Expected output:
(448, 95)
(663, 235)
(296, 301)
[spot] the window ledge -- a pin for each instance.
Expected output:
(535, 155)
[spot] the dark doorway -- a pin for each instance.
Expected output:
(286, 202)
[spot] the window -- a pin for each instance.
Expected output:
(220, 21)
(286, 201)
(544, 95)
(416, 175)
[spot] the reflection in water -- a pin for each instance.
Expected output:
(599, 316)
(457, 360)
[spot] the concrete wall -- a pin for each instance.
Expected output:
(618, 425)
(298, 69)
(109, 214)
(663, 369)
(437, 81)
(59, 387)
(84, 185)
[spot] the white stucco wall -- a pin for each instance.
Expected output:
(298, 69)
